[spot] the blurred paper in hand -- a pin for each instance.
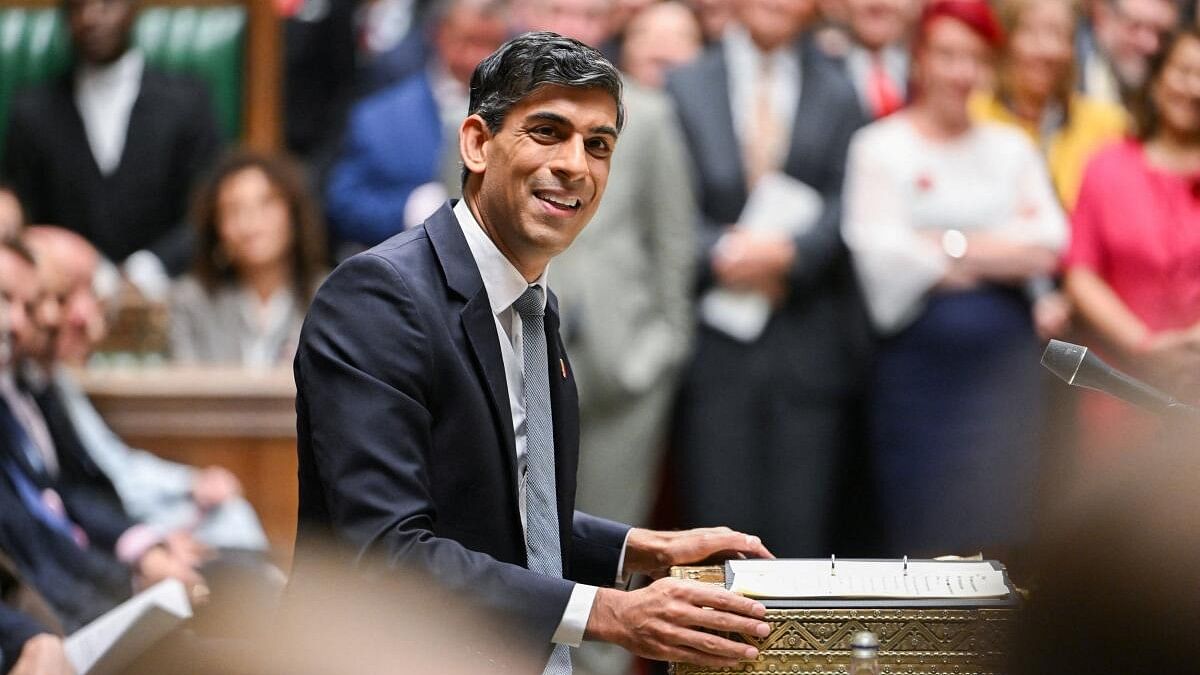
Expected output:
(113, 641)
(781, 205)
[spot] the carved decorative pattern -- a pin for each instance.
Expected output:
(912, 641)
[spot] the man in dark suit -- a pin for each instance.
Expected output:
(437, 410)
(111, 149)
(764, 417)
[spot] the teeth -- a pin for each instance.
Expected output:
(558, 202)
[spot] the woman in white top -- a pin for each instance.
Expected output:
(953, 227)
(260, 256)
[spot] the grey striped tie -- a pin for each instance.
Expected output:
(541, 503)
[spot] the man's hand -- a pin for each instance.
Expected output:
(654, 552)
(187, 549)
(213, 486)
(662, 620)
(158, 564)
(754, 261)
(1051, 315)
(43, 655)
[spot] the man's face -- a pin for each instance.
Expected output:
(774, 23)
(18, 297)
(879, 23)
(661, 37)
(545, 169)
(467, 36)
(47, 312)
(592, 22)
(83, 322)
(100, 29)
(1132, 32)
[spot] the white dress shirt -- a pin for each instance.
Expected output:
(504, 285)
(105, 96)
(745, 63)
(903, 189)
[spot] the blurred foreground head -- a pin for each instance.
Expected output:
(1117, 571)
(69, 264)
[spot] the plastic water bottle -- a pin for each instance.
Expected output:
(864, 654)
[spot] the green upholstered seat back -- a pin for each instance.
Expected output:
(207, 41)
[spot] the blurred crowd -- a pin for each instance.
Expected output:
(811, 305)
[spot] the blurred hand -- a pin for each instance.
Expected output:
(158, 564)
(1051, 315)
(754, 261)
(213, 486)
(1171, 359)
(662, 622)
(654, 552)
(43, 655)
(186, 549)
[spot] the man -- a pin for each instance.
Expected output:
(765, 411)
(400, 162)
(167, 495)
(29, 630)
(1114, 57)
(876, 58)
(658, 38)
(111, 149)
(440, 434)
(64, 523)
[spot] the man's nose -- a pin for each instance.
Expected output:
(570, 162)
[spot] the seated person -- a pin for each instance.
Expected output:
(164, 494)
(111, 149)
(62, 513)
(30, 642)
(260, 256)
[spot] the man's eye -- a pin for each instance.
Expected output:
(547, 131)
(599, 146)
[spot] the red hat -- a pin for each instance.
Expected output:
(975, 14)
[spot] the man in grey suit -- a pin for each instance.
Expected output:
(765, 418)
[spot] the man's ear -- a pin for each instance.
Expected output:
(473, 137)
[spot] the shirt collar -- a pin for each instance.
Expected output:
(503, 283)
(127, 70)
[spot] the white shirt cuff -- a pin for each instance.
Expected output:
(575, 616)
(622, 580)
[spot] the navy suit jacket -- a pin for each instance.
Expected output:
(406, 445)
(393, 145)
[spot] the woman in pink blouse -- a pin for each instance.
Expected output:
(1133, 268)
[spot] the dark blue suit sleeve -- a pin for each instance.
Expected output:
(596, 549)
(366, 381)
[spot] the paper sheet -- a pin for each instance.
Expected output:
(811, 579)
(779, 204)
(110, 643)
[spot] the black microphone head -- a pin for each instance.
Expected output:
(1063, 359)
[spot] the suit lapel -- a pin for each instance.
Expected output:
(479, 325)
(721, 128)
(810, 107)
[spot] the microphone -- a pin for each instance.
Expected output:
(1079, 367)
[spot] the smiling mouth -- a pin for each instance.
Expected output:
(568, 203)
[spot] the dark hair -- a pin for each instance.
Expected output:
(1145, 113)
(530, 61)
(308, 230)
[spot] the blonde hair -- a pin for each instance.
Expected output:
(1010, 13)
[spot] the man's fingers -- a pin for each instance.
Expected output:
(686, 655)
(727, 622)
(713, 645)
(721, 599)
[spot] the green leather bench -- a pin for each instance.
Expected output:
(206, 41)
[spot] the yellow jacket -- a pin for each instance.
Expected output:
(1090, 125)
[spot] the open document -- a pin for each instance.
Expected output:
(893, 579)
(781, 205)
(110, 643)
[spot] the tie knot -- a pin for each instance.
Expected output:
(530, 303)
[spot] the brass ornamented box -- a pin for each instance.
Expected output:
(913, 641)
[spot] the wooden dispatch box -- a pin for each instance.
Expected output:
(926, 640)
